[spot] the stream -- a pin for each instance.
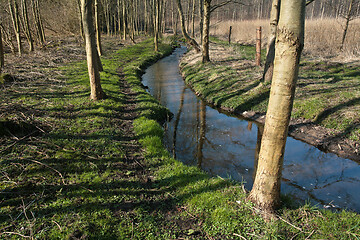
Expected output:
(227, 146)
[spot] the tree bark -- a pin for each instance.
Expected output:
(38, 22)
(14, 11)
(2, 59)
(201, 21)
(188, 39)
(156, 23)
(206, 29)
(347, 20)
(124, 20)
(7, 39)
(26, 25)
(269, 63)
(97, 28)
(81, 22)
(91, 52)
(193, 19)
(290, 40)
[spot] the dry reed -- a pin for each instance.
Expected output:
(322, 36)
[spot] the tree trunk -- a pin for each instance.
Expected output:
(269, 63)
(97, 28)
(206, 29)
(124, 20)
(2, 62)
(91, 52)
(156, 23)
(7, 39)
(14, 11)
(81, 22)
(119, 15)
(193, 19)
(38, 22)
(26, 25)
(201, 15)
(290, 40)
(347, 20)
(41, 25)
(188, 39)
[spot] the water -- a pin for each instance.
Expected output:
(227, 146)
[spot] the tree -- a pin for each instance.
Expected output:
(157, 9)
(26, 25)
(206, 29)
(38, 21)
(2, 62)
(188, 39)
(269, 63)
(97, 28)
(349, 16)
(208, 9)
(274, 19)
(92, 56)
(80, 22)
(289, 44)
(14, 11)
(201, 16)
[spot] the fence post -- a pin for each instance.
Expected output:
(230, 34)
(258, 46)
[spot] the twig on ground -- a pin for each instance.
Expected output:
(308, 237)
(290, 223)
(57, 225)
(17, 141)
(62, 178)
(15, 233)
(238, 235)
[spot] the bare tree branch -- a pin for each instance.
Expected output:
(214, 7)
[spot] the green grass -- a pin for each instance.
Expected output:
(84, 179)
(327, 93)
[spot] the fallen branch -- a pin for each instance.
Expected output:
(238, 235)
(17, 141)
(62, 178)
(14, 233)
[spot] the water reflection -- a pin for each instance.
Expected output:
(227, 146)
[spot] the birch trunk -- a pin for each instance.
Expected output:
(91, 52)
(289, 43)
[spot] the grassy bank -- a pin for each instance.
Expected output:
(78, 169)
(327, 93)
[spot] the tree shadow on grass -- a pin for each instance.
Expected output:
(326, 113)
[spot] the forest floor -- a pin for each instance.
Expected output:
(72, 168)
(326, 110)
